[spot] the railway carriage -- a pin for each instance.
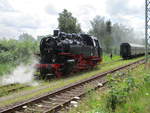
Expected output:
(129, 50)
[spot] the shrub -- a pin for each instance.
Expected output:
(14, 52)
(118, 93)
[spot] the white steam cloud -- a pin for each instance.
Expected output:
(22, 74)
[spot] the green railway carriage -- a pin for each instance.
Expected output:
(129, 50)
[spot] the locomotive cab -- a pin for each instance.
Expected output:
(93, 43)
(97, 47)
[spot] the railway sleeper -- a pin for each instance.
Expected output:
(18, 112)
(60, 105)
(32, 110)
(78, 88)
(50, 103)
(73, 92)
(46, 102)
(70, 94)
(62, 97)
(56, 100)
(77, 92)
(41, 105)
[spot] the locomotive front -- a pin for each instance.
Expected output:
(52, 54)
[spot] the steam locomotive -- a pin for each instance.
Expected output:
(64, 53)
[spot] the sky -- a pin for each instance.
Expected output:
(39, 17)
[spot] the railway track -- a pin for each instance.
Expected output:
(55, 100)
(6, 89)
(8, 85)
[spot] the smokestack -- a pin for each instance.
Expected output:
(56, 32)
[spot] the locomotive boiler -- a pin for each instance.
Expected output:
(64, 53)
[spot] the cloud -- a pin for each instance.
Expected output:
(116, 7)
(50, 9)
(5, 6)
(124, 7)
(7, 32)
(129, 13)
(16, 23)
(39, 17)
(86, 9)
(84, 14)
(19, 20)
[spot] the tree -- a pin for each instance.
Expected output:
(108, 27)
(102, 30)
(112, 35)
(26, 37)
(39, 38)
(68, 23)
(98, 27)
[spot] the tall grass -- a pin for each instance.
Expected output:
(138, 101)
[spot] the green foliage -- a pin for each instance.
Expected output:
(118, 93)
(14, 52)
(68, 23)
(26, 37)
(108, 26)
(6, 68)
(129, 94)
(147, 78)
(102, 30)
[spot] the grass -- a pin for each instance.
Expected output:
(136, 101)
(57, 83)
(107, 59)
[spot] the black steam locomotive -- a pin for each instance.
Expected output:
(64, 53)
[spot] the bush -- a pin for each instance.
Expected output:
(14, 52)
(118, 93)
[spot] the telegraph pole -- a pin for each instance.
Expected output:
(147, 26)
